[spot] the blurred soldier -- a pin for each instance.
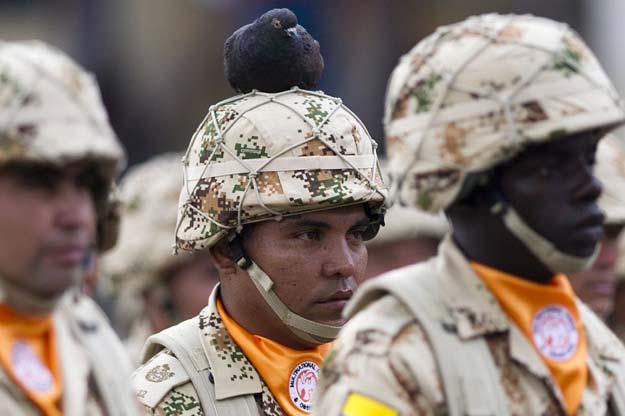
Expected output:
(408, 236)
(596, 286)
(58, 160)
(495, 120)
(154, 289)
(283, 187)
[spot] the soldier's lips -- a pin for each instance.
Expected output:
(337, 301)
(68, 255)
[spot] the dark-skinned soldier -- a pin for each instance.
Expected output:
(495, 120)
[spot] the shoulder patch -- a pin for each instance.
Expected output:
(157, 377)
(358, 404)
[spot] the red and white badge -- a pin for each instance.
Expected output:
(302, 384)
(29, 369)
(555, 334)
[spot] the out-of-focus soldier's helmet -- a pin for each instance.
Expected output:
(475, 94)
(51, 112)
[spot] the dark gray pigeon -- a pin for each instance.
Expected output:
(272, 54)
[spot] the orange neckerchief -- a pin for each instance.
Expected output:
(28, 354)
(290, 374)
(548, 316)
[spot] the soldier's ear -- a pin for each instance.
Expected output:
(221, 256)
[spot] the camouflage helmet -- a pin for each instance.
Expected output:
(475, 93)
(260, 155)
(610, 170)
(51, 112)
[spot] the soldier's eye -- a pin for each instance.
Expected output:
(309, 236)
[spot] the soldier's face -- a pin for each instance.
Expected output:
(553, 188)
(316, 260)
(47, 224)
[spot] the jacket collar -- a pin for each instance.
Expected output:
(232, 372)
(474, 310)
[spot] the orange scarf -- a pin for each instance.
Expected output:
(28, 354)
(291, 375)
(548, 316)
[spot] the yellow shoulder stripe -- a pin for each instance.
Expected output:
(360, 405)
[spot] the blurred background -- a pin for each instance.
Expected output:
(159, 62)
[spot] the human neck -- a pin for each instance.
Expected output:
(256, 317)
(485, 239)
(24, 302)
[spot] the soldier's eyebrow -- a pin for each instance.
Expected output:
(302, 222)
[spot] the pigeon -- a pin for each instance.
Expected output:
(272, 54)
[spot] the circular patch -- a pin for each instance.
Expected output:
(555, 334)
(29, 369)
(302, 384)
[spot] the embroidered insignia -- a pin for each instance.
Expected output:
(302, 384)
(29, 369)
(159, 374)
(554, 332)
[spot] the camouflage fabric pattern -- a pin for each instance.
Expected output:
(259, 156)
(51, 109)
(375, 353)
(475, 93)
(610, 170)
(231, 371)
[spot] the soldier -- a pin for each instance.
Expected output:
(153, 289)
(495, 120)
(408, 236)
(58, 160)
(283, 188)
(596, 286)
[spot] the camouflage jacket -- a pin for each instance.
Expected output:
(165, 389)
(383, 360)
(86, 390)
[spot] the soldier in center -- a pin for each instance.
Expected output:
(283, 187)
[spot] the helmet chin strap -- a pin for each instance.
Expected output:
(307, 330)
(23, 301)
(543, 249)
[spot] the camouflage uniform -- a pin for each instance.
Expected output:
(255, 157)
(165, 388)
(51, 112)
(462, 101)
